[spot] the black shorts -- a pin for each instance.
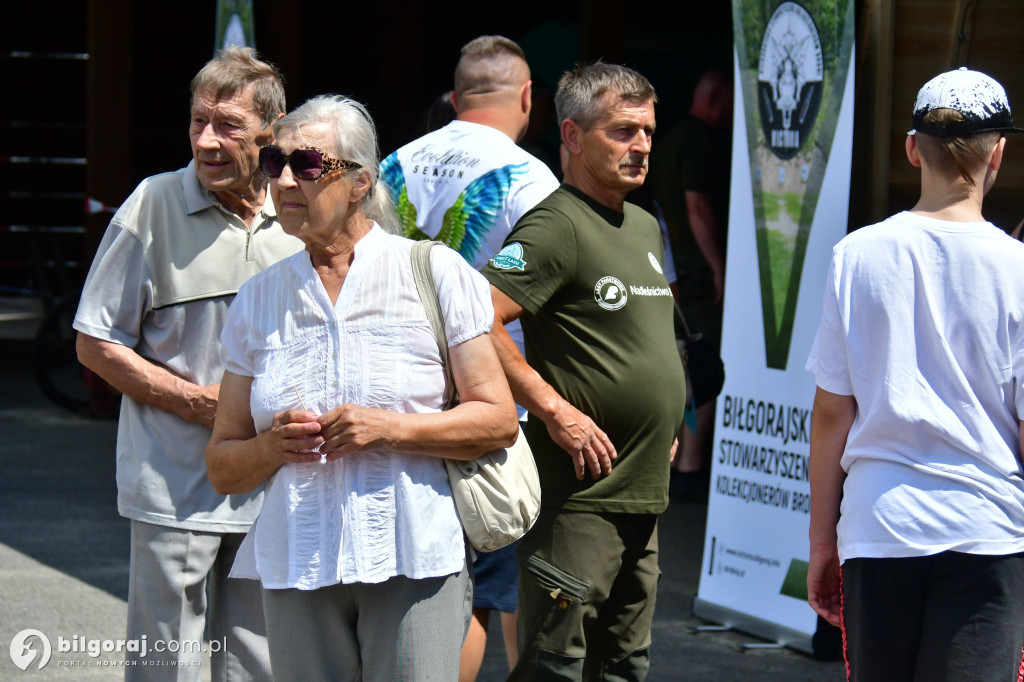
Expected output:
(949, 616)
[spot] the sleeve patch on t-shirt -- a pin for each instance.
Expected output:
(510, 257)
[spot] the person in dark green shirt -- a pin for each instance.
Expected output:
(602, 381)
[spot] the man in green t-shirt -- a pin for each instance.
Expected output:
(603, 384)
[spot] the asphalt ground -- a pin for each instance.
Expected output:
(64, 558)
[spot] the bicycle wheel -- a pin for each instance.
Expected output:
(54, 359)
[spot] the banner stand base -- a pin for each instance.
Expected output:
(777, 635)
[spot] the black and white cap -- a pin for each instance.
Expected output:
(978, 97)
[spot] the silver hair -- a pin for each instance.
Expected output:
(580, 91)
(351, 136)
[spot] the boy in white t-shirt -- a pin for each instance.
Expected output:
(917, 493)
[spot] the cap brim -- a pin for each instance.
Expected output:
(914, 131)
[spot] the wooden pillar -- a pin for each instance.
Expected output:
(869, 192)
(963, 30)
(281, 43)
(398, 96)
(602, 30)
(108, 111)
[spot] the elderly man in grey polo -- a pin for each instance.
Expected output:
(149, 323)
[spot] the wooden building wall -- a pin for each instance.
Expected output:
(902, 44)
(121, 111)
(79, 127)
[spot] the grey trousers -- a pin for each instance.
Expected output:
(178, 579)
(401, 629)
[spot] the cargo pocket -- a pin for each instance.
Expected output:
(558, 600)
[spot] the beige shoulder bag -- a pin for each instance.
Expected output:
(497, 495)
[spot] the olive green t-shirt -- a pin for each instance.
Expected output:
(598, 327)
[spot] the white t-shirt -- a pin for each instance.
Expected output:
(496, 180)
(378, 514)
(923, 323)
(467, 176)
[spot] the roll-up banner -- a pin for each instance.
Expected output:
(235, 25)
(792, 146)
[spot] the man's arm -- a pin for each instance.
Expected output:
(146, 382)
(575, 432)
(704, 225)
(831, 420)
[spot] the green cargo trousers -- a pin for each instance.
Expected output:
(587, 588)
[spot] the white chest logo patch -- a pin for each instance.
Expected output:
(610, 293)
(655, 264)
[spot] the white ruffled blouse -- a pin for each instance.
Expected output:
(366, 517)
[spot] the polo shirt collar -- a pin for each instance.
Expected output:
(198, 198)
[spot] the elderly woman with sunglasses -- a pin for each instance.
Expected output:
(333, 397)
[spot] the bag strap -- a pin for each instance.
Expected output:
(423, 276)
(681, 318)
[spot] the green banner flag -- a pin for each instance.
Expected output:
(234, 24)
(793, 61)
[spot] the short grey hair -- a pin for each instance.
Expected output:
(352, 136)
(580, 91)
(236, 68)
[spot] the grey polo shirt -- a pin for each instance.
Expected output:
(165, 273)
